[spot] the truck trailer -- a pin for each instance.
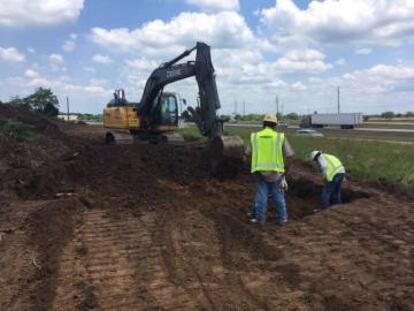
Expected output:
(343, 120)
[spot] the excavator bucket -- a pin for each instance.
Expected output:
(224, 156)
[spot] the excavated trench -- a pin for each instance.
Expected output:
(304, 195)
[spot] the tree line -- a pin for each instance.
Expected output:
(42, 101)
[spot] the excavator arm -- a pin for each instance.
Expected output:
(205, 116)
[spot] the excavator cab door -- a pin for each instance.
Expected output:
(166, 116)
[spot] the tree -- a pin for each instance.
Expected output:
(409, 114)
(388, 115)
(279, 116)
(292, 116)
(43, 101)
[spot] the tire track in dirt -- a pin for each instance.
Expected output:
(231, 279)
(114, 264)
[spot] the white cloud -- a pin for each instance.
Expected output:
(392, 72)
(30, 73)
(142, 64)
(11, 54)
(98, 82)
(31, 50)
(56, 59)
(382, 22)
(70, 44)
(363, 51)
(42, 12)
(102, 59)
(222, 30)
(89, 69)
(216, 5)
(302, 60)
(298, 86)
(340, 62)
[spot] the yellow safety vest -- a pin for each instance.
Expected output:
(267, 151)
(334, 166)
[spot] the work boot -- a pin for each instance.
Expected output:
(282, 222)
(256, 221)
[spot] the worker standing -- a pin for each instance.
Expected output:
(333, 172)
(270, 153)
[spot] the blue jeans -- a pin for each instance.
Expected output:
(331, 192)
(259, 207)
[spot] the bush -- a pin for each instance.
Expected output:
(388, 115)
(20, 131)
(292, 116)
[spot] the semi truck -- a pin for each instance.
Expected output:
(343, 120)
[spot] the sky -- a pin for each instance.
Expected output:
(297, 50)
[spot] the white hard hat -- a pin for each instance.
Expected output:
(270, 117)
(314, 154)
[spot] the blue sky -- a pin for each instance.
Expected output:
(299, 50)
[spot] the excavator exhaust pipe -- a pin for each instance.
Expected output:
(224, 156)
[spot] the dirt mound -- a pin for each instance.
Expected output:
(40, 123)
(35, 166)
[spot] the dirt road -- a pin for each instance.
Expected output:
(138, 227)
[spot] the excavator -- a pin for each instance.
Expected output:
(155, 117)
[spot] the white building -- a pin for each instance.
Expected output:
(72, 117)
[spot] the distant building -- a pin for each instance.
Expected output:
(72, 117)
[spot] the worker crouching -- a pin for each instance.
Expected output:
(333, 172)
(270, 152)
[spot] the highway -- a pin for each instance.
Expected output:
(361, 129)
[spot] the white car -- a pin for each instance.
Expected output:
(309, 132)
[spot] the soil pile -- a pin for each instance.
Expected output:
(34, 154)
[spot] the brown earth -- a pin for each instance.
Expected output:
(135, 227)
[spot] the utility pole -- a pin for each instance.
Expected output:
(235, 107)
(277, 104)
(67, 107)
(339, 101)
(244, 108)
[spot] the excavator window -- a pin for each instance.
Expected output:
(167, 110)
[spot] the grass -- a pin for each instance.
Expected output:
(20, 131)
(366, 135)
(364, 160)
(389, 125)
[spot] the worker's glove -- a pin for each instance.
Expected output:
(283, 184)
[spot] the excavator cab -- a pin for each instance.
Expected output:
(165, 112)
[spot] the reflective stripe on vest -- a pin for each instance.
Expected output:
(267, 151)
(334, 167)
